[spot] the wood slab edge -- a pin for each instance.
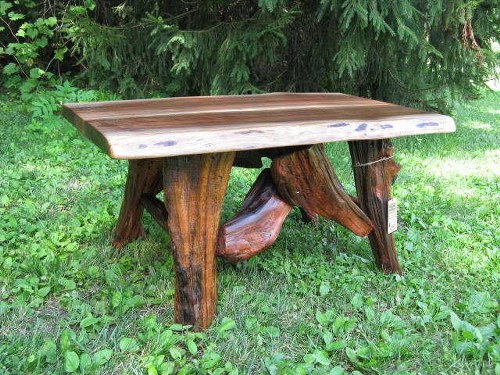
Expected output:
(87, 130)
(266, 137)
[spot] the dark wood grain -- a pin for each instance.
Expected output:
(258, 223)
(306, 179)
(194, 189)
(144, 177)
(374, 172)
(182, 126)
(156, 209)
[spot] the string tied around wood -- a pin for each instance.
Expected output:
(372, 162)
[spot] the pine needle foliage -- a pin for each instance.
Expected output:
(423, 53)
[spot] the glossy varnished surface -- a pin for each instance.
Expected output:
(137, 129)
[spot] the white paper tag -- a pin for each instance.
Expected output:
(392, 216)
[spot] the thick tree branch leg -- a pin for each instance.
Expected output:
(156, 209)
(144, 177)
(306, 179)
(374, 171)
(257, 225)
(194, 189)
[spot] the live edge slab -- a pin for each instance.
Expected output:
(187, 146)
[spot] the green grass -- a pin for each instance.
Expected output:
(313, 303)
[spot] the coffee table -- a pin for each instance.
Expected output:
(187, 146)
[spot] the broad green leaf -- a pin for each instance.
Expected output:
(210, 360)
(42, 292)
(226, 325)
(455, 321)
(71, 361)
(77, 10)
(102, 356)
(323, 318)
(150, 321)
(51, 21)
(327, 337)
(335, 345)
(176, 327)
(135, 301)
(85, 362)
(324, 289)
(66, 340)
(67, 283)
(10, 68)
(251, 323)
(351, 354)
(175, 352)
(167, 368)
(59, 53)
(273, 331)
(4, 7)
(151, 368)
(128, 344)
(321, 357)
(192, 347)
(31, 32)
(465, 348)
(90, 4)
(369, 313)
(309, 358)
(41, 42)
(13, 16)
(49, 351)
(88, 321)
(116, 299)
(357, 301)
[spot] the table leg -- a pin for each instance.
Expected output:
(306, 179)
(194, 188)
(374, 173)
(144, 177)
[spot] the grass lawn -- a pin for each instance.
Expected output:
(314, 303)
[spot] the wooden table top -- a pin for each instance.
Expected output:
(152, 128)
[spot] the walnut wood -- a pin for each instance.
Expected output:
(258, 223)
(373, 176)
(194, 188)
(137, 129)
(307, 179)
(144, 177)
(156, 208)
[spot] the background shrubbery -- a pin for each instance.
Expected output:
(421, 53)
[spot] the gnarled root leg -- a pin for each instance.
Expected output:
(374, 172)
(194, 189)
(258, 223)
(306, 179)
(144, 177)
